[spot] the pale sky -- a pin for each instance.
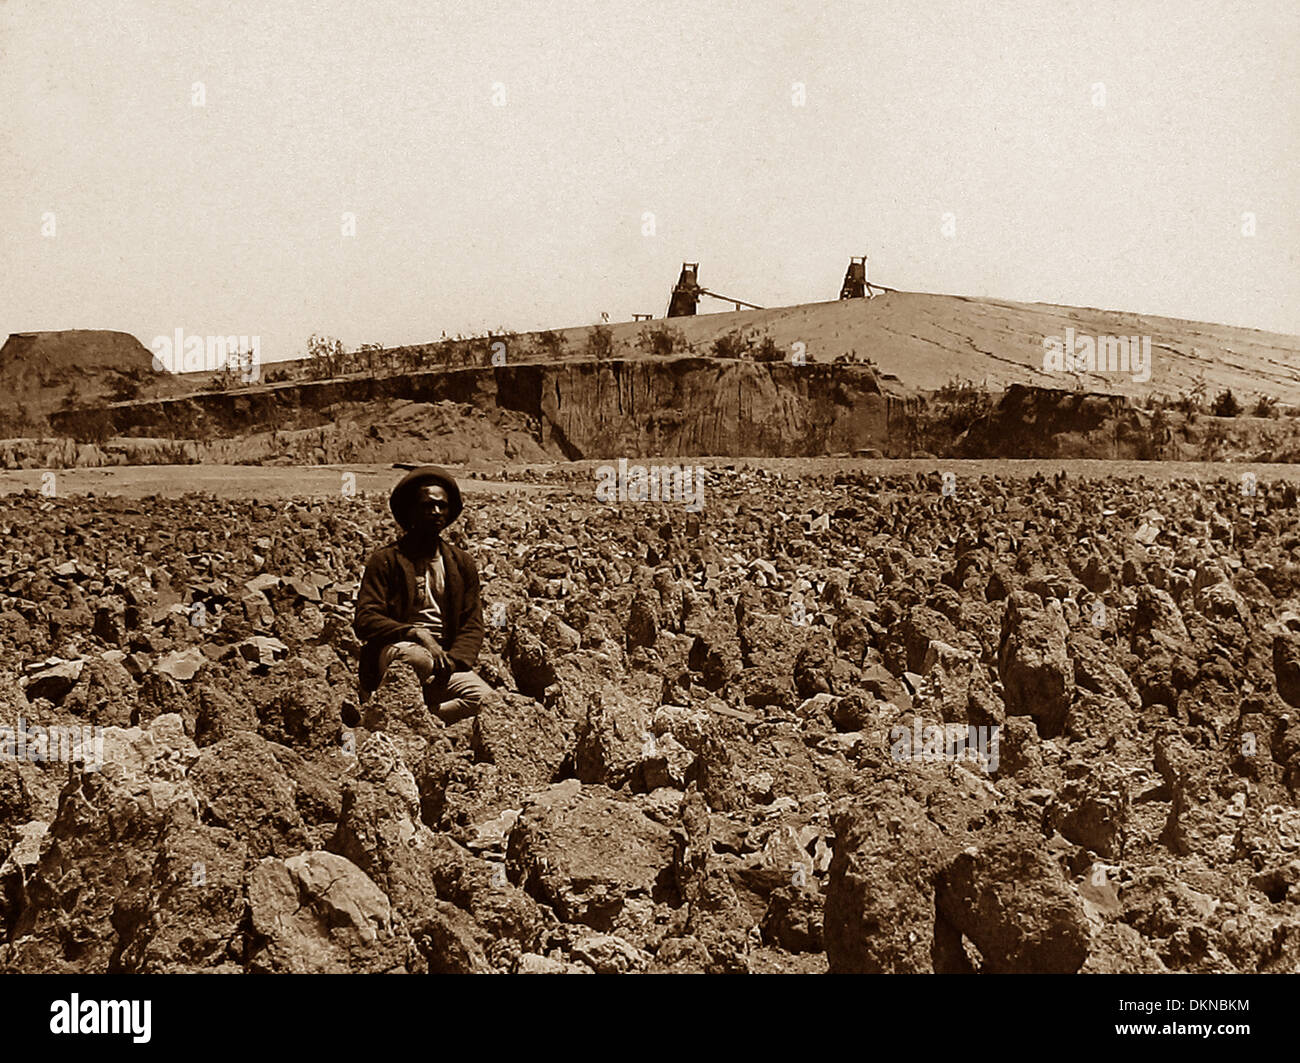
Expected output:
(499, 159)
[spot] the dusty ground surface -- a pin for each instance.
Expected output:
(699, 753)
(228, 481)
(325, 481)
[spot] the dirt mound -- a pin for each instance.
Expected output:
(856, 723)
(41, 371)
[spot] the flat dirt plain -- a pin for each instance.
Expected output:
(322, 481)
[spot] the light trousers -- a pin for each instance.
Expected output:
(461, 694)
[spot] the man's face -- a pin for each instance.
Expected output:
(430, 509)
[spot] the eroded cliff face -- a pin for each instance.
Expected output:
(634, 408)
(1032, 422)
(712, 406)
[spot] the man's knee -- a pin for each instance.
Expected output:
(468, 686)
(411, 653)
(463, 693)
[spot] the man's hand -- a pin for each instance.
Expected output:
(442, 666)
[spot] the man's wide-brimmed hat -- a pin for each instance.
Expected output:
(404, 493)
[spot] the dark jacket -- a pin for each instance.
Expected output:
(385, 598)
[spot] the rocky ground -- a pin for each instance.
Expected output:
(691, 760)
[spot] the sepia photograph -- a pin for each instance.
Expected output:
(584, 487)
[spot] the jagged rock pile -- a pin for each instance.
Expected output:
(697, 757)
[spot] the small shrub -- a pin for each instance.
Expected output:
(238, 370)
(427, 356)
(524, 350)
(1266, 406)
(935, 423)
(1192, 402)
(600, 343)
(369, 358)
(1152, 445)
(731, 345)
(661, 340)
(1225, 405)
(451, 354)
(325, 356)
(476, 351)
(768, 351)
(552, 345)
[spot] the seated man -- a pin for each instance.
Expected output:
(419, 600)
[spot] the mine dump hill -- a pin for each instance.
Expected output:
(928, 340)
(699, 386)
